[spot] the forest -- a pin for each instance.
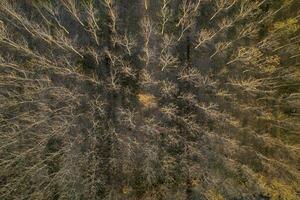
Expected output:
(149, 100)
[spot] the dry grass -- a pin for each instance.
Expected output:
(147, 100)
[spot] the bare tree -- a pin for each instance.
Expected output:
(222, 5)
(91, 108)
